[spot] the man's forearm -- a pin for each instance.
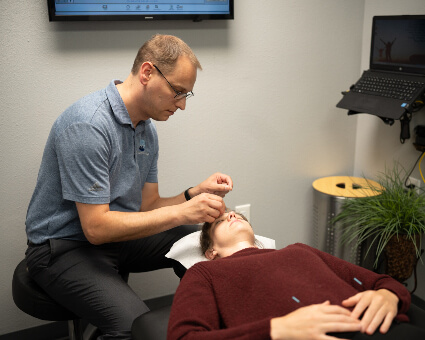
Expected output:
(100, 225)
(162, 202)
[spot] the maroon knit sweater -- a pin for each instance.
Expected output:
(237, 296)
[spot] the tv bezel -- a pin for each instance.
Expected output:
(141, 17)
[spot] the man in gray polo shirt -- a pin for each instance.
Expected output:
(96, 212)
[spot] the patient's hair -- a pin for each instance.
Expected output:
(206, 240)
(163, 51)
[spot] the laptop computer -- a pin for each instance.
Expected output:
(397, 60)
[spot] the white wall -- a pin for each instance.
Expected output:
(378, 145)
(264, 110)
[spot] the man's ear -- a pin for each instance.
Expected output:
(145, 72)
(211, 254)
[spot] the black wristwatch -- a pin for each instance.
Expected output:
(186, 194)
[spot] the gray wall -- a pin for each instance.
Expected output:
(264, 110)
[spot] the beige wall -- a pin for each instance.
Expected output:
(264, 110)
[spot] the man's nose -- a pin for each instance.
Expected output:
(181, 103)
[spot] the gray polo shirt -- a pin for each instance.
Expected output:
(93, 155)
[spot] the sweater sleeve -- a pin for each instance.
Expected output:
(195, 314)
(363, 279)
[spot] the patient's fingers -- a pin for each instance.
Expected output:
(333, 309)
(314, 322)
(378, 308)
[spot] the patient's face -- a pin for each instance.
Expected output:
(229, 229)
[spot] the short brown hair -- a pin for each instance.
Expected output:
(163, 51)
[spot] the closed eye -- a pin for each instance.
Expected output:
(218, 222)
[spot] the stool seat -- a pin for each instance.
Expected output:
(31, 299)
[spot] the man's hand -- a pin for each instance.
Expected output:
(204, 208)
(207, 199)
(313, 322)
(379, 308)
(218, 184)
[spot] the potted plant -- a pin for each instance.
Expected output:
(392, 222)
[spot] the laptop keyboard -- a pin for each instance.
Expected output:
(388, 87)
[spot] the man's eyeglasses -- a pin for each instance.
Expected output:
(179, 94)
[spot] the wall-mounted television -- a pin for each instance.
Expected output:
(144, 10)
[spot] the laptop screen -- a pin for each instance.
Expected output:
(398, 43)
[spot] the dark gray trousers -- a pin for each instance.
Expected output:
(88, 279)
(402, 331)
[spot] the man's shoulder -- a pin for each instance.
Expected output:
(93, 108)
(86, 107)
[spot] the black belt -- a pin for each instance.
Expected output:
(31, 244)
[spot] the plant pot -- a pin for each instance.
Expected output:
(401, 257)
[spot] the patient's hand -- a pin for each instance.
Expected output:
(379, 307)
(313, 322)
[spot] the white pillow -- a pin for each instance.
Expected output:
(187, 250)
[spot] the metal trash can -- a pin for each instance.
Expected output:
(329, 195)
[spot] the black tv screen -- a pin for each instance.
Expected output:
(145, 10)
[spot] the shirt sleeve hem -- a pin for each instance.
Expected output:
(87, 199)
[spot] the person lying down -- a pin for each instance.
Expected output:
(298, 292)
